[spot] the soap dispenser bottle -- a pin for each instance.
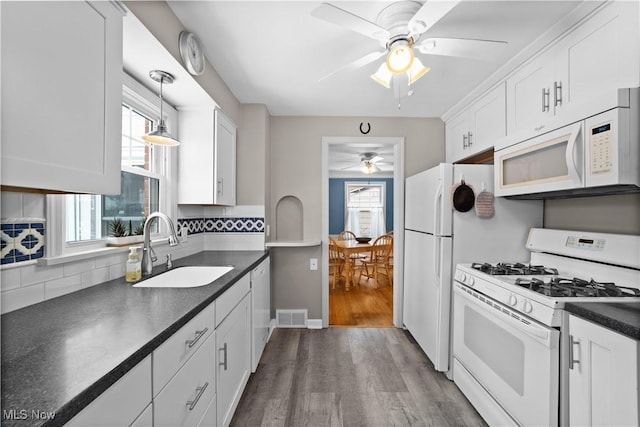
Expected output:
(134, 266)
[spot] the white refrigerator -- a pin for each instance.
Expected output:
(437, 237)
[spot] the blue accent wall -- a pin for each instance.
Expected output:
(336, 202)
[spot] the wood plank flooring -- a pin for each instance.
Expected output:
(366, 305)
(350, 377)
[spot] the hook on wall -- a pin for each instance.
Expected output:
(368, 128)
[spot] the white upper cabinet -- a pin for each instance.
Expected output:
(598, 56)
(478, 127)
(206, 158)
(61, 96)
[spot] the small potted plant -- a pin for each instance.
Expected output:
(119, 236)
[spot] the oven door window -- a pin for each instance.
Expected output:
(516, 362)
(506, 358)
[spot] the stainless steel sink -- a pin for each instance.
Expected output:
(185, 277)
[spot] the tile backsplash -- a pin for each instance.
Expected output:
(222, 225)
(25, 281)
(22, 239)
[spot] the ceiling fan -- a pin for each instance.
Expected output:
(369, 162)
(399, 28)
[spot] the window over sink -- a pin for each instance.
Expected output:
(87, 220)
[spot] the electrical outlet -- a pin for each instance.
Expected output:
(184, 232)
(313, 264)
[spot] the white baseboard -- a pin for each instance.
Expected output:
(314, 323)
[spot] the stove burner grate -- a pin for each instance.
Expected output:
(513, 269)
(561, 287)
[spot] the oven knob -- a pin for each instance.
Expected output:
(527, 306)
(513, 300)
(472, 281)
(463, 277)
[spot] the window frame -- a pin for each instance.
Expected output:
(371, 183)
(138, 98)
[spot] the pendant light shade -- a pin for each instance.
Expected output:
(161, 136)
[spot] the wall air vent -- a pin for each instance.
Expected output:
(291, 318)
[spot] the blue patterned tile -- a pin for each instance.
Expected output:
(21, 241)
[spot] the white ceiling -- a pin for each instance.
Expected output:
(274, 53)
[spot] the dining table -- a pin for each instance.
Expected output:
(350, 248)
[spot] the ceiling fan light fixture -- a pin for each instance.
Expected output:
(369, 168)
(383, 76)
(416, 71)
(400, 56)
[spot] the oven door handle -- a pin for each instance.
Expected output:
(539, 333)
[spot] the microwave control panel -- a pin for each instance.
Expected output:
(601, 150)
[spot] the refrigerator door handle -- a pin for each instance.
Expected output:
(436, 258)
(437, 203)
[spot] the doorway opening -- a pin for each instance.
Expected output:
(370, 206)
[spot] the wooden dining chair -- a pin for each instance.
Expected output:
(379, 259)
(347, 235)
(355, 259)
(336, 261)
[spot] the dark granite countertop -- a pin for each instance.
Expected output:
(622, 317)
(59, 355)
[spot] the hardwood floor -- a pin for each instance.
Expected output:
(349, 377)
(366, 305)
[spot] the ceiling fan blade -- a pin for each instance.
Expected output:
(361, 62)
(348, 20)
(431, 12)
(469, 48)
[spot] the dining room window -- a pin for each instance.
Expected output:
(365, 208)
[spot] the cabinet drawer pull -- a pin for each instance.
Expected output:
(224, 349)
(200, 391)
(557, 93)
(469, 143)
(464, 141)
(199, 334)
(573, 361)
(545, 100)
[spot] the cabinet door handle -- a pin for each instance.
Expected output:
(572, 360)
(469, 143)
(200, 391)
(464, 141)
(224, 364)
(557, 93)
(199, 334)
(545, 99)
(220, 183)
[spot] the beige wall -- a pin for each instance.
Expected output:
(606, 214)
(296, 149)
(295, 168)
(252, 144)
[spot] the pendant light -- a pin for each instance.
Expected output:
(161, 136)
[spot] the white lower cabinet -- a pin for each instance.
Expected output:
(198, 374)
(122, 403)
(603, 376)
(186, 398)
(233, 338)
(260, 310)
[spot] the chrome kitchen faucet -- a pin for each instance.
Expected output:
(148, 255)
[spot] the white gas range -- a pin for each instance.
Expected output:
(507, 318)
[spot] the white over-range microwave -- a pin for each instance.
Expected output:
(597, 155)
